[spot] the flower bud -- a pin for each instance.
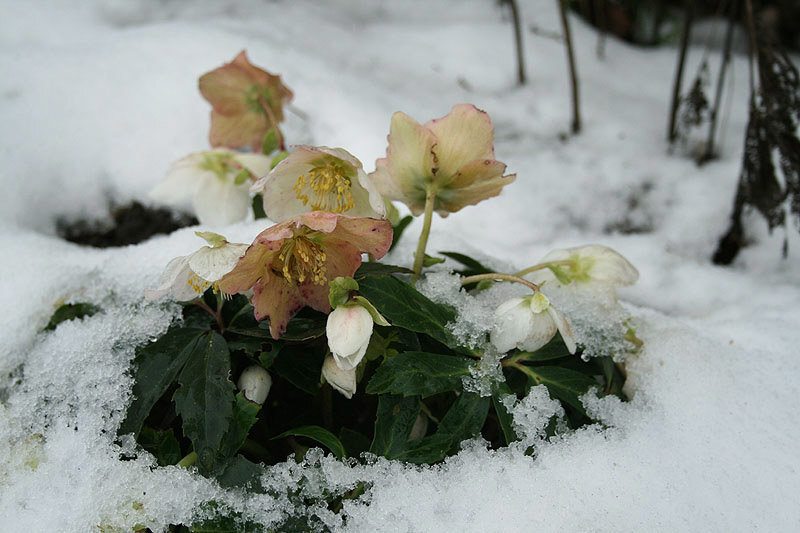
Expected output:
(255, 382)
(343, 381)
(528, 324)
(349, 328)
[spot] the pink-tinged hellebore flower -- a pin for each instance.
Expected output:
(255, 382)
(344, 381)
(593, 268)
(349, 329)
(289, 265)
(318, 178)
(217, 182)
(528, 324)
(187, 277)
(247, 102)
(452, 156)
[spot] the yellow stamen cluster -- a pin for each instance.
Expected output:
(300, 259)
(327, 188)
(198, 284)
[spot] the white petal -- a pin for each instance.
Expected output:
(343, 381)
(280, 199)
(542, 330)
(349, 329)
(367, 199)
(258, 164)
(178, 267)
(179, 184)
(219, 202)
(564, 328)
(512, 324)
(213, 263)
(255, 382)
(610, 267)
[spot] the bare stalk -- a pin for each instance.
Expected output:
(576, 116)
(688, 18)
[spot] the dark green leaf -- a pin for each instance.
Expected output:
(321, 435)
(300, 329)
(162, 444)
(267, 357)
(239, 472)
(427, 450)
(300, 366)
(258, 207)
(354, 442)
(465, 418)
(555, 349)
(503, 416)
(395, 418)
(419, 374)
(379, 269)
(473, 266)
(70, 312)
(245, 414)
(155, 368)
(613, 377)
(405, 307)
(205, 399)
(401, 226)
(562, 383)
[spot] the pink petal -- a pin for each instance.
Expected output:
(465, 134)
(279, 300)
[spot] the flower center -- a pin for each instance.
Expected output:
(301, 259)
(198, 284)
(326, 188)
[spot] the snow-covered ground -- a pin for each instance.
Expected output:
(98, 97)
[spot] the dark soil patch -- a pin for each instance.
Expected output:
(129, 224)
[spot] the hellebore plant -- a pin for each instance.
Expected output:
(187, 277)
(444, 165)
(217, 182)
(288, 265)
(318, 178)
(343, 381)
(255, 382)
(247, 103)
(528, 323)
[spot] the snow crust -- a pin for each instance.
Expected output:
(99, 97)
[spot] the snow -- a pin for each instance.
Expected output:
(99, 97)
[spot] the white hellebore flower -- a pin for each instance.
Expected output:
(528, 324)
(349, 328)
(343, 381)
(217, 182)
(318, 178)
(188, 276)
(592, 267)
(255, 382)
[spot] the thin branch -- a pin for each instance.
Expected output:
(672, 132)
(518, 41)
(576, 116)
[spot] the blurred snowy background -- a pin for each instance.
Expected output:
(97, 98)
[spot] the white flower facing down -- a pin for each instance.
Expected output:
(349, 328)
(592, 267)
(344, 381)
(255, 382)
(216, 181)
(187, 277)
(529, 323)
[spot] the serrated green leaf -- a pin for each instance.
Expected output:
(205, 400)
(465, 418)
(419, 374)
(399, 228)
(562, 383)
(70, 312)
(318, 434)
(473, 266)
(395, 418)
(503, 416)
(379, 269)
(162, 444)
(354, 442)
(404, 306)
(427, 450)
(300, 329)
(245, 414)
(156, 367)
(240, 472)
(300, 366)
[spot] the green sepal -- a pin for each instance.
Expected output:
(430, 260)
(270, 142)
(280, 156)
(376, 316)
(340, 290)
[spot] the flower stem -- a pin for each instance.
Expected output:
(419, 258)
(503, 277)
(216, 314)
(542, 266)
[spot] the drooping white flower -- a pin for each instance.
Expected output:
(592, 267)
(528, 323)
(216, 181)
(318, 178)
(343, 381)
(187, 277)
(255, 382)
(349, 328)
